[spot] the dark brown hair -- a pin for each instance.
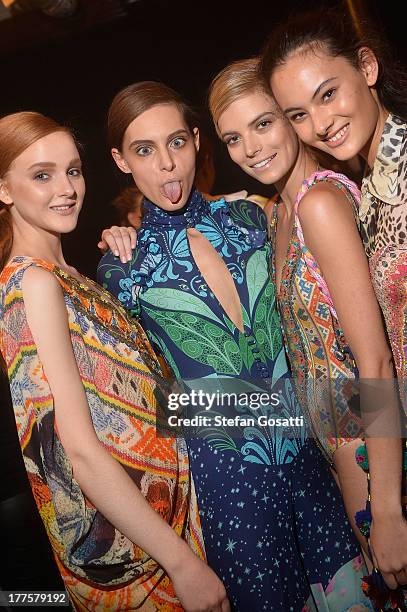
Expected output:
(17, 132)
(335, 31)
(134, 100)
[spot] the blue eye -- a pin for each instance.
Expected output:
(178, 143)
(41, 176)
(143, 151)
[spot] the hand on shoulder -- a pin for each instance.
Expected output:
(120, 240)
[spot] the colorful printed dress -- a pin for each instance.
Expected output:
(101, 568)
(322, 364)
(272, 516)
(383, 224)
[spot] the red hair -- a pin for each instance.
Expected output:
(17, 132)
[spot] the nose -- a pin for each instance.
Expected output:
(252, 146)
(166, 161)
(323, 122)
(65, 186)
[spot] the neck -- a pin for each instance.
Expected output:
(188, 215)
(369, 151)
(289, 186)
(33, 242)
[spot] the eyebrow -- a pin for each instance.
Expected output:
(252, 122)
(49, 164)
(151, 142)
(316, 92)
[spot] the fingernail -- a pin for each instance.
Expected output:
(116, 253)
(123, 259)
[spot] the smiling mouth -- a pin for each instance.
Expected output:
(338, 136)
(63, 208)
(264, 162)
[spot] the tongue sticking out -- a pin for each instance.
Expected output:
(172, 191)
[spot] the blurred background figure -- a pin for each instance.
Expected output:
(128, 207)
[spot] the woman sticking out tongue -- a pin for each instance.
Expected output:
(172, 190)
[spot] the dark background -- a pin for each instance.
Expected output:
(71, 69)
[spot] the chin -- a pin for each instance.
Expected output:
(342, 154)
(270, 180)
(66, 228)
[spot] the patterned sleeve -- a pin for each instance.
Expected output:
(250, 220)
(120, 280)
(248, 213)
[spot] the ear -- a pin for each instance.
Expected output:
(369, 65)
(195, 133)
(120, 161)
(5, 196)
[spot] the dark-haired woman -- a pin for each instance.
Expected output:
(350, 99)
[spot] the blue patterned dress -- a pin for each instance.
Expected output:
(274, 525)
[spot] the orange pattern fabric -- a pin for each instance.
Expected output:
(122, 379)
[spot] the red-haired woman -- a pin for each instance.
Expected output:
(117, 501)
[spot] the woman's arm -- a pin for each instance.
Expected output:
(101, 478)
(331, 234)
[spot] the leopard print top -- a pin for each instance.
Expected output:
(383, 224)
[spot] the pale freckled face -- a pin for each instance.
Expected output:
(44, 186)
(328, 101)
(258, 138)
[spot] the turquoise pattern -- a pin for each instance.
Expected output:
(163, 284)
(258, 492)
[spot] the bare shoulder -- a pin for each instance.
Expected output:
(41, 288)
(46, 311)
(322, 202)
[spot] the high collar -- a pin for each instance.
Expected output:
(382, 181)
(188, 216)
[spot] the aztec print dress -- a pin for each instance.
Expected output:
(272, 516)
(321, 361)
(101, 568)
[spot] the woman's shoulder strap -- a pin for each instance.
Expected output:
(339, 180)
